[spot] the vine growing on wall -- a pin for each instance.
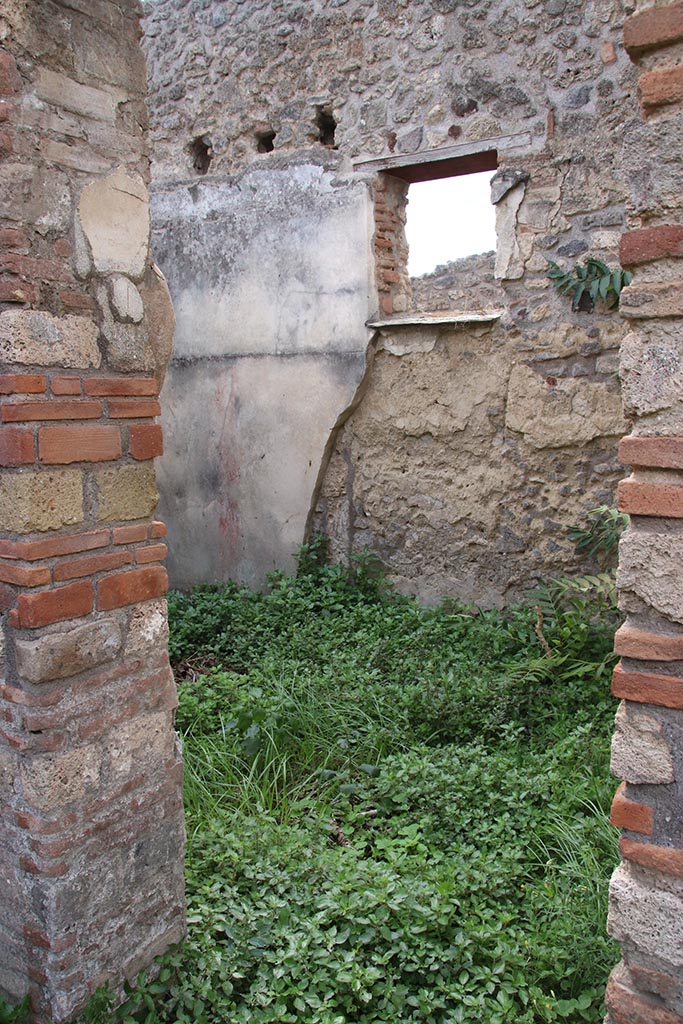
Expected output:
(589, 282)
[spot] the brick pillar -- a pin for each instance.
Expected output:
(646, 904)
(91, 835)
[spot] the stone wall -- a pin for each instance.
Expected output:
(466, 461)
(91, 836)
(474, 440)
(646, 905)
(453, 285)
(355, 99)
(397, 76)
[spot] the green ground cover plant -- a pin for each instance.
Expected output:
(395, 814)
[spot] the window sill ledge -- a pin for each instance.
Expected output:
(437, 319)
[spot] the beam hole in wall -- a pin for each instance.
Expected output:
(265, 141)
(201, 152)
(326, 125)
(449, 219)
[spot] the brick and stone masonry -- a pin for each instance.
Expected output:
(91, 839)
(92, 835)
(646, 901)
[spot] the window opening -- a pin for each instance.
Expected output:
(326, 125)
(201, 152)
(449, 219)
(265, 141)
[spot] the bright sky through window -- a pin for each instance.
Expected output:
(448, 219)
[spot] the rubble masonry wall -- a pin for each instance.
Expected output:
(462, 441)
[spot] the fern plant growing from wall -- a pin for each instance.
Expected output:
(590, 282)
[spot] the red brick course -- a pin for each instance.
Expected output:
(22, 383)
(57, 870)
(130, 386)
(668, 860)
(36, 268)
(129, 408)
(48, 606)
(63, 445)
(130, 587)
(12, 290)
(661, 87)
(10, 80)
(41, 826)
(130, 534)
(65, 385)
(625, 1007)
(658, 452)
(150, 553)
(76, 302)
(631, 642)
(146, 441)
(17, 446)
(24, 576)
(79, 567)
(647, 244)
(13, 238)
(630, 815)
(648, 688)
(646, 499)
(656, 982)
(49, 547)
(16, 412)
(650, 29)
(40, 938)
